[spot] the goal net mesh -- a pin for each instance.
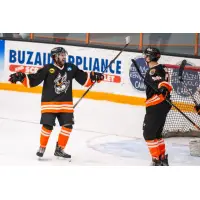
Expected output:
(176, 125)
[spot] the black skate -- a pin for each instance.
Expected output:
(156, 162)
(164, 160)
(41, 151)
(59, 152)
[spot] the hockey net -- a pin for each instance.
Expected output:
(176, 125)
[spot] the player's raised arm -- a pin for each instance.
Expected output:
(30, 80)
(87, 78)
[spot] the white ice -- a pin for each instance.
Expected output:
(105, 133)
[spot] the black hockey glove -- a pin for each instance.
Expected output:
(19, 76)
(165, 92)
(95, 76)
(197, 108)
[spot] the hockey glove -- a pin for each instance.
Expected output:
(95, 76)
(165, 92)
(19, 76)
(197, 108)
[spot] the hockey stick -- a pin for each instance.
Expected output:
(111, 62)
(156, 90)
(180, 75)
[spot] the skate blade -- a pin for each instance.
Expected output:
(61, 158)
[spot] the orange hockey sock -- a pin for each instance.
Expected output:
(44, 136)
(64, 136)
(161, 144)
(153, 148)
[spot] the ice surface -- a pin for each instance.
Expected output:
(105, 133)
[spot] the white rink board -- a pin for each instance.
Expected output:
(36, 54)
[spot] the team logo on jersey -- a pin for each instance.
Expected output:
(152, 72)
(51, 70)
(69, 69)
(61, 83)
(157, 78)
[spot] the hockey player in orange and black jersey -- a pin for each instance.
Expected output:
(57, 100)
(156, 106)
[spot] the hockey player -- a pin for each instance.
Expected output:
(57, 100)
(156, 106)
(197, 108)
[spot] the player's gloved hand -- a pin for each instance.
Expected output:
(165, 92)
(19, 76)
(197, 108)
(95, 76)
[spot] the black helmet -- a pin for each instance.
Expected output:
(153, 53)
(57, 50)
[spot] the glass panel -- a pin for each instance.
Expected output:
(171, 39)
(61, 37)
(114, 39)
(24, 36)
(199, 46)
(118, 40)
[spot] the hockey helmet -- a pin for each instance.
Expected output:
(57, 51)
(153, 53)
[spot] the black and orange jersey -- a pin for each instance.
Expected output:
(157, 77)
(57, 86)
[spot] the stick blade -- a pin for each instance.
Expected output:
(181, 69)
(128, 39)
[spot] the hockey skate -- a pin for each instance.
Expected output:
(156, 162)
(40, 152)
(59, 152)
(164, 160)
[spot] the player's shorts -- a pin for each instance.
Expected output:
(63, 119)
(154, 121)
